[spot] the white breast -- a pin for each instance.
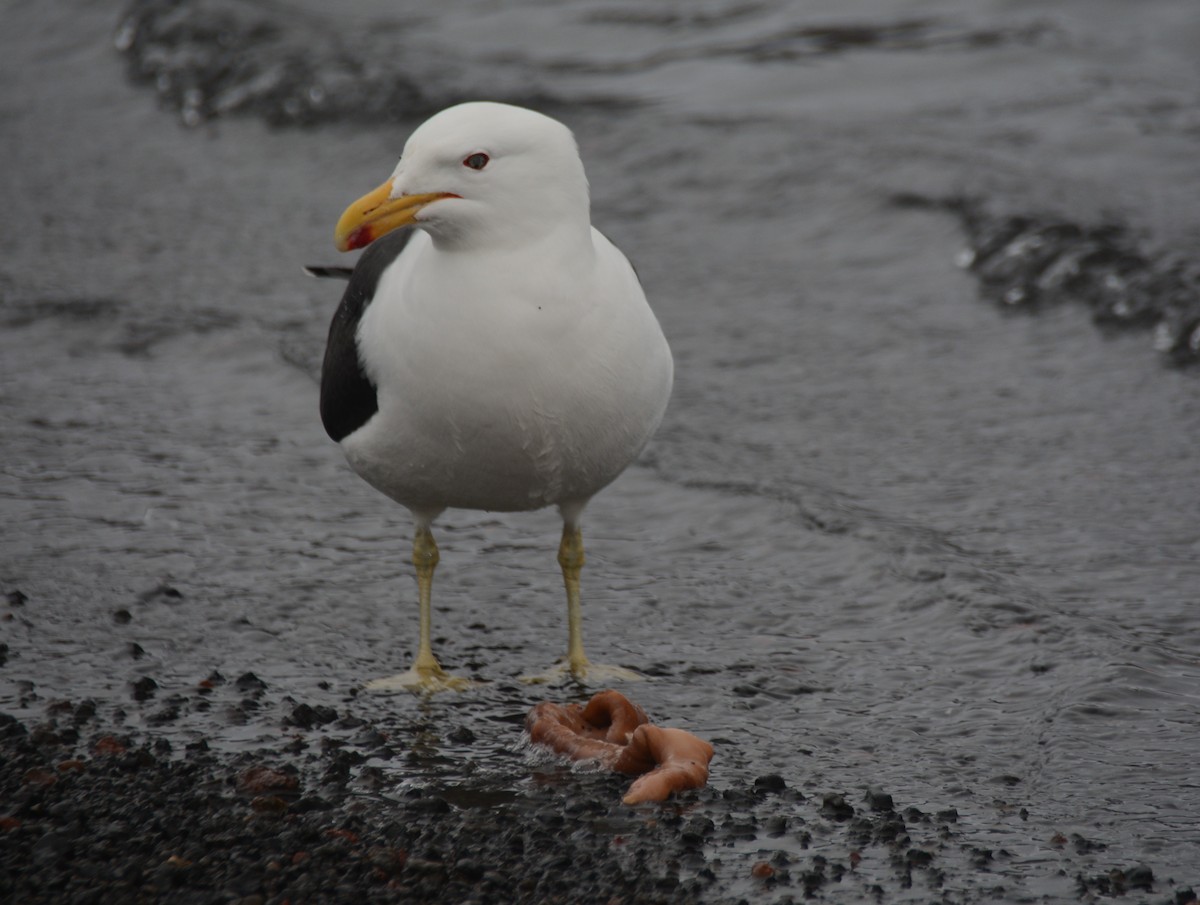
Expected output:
(508, 384)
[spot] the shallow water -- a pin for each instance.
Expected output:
(888, 535)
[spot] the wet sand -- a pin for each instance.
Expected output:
(920, 561)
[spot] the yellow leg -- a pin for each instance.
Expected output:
(571, 559)
(576, 664)
(426, 673)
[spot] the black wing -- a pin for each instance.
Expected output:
(348, 398)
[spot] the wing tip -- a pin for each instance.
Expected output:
(328, 273)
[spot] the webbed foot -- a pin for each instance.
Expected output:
(422, 680)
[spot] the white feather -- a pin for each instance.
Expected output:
(516, 360)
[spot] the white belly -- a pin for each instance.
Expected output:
(508, 398)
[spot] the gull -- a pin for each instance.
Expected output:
(499, 356)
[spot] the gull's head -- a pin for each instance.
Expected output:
(477, 174)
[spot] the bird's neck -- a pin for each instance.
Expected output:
(558, 239)
(555, 264)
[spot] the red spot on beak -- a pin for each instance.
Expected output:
(360, 238)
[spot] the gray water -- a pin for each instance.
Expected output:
(887, 535)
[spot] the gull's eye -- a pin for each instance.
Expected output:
(477, 161)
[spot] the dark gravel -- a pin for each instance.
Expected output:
(93, 817)
(104, 820)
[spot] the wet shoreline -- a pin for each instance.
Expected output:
(923, 573)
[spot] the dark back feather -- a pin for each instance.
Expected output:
(348, 398)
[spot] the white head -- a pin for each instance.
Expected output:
(478, 175)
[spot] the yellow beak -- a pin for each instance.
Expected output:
(377, 213)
